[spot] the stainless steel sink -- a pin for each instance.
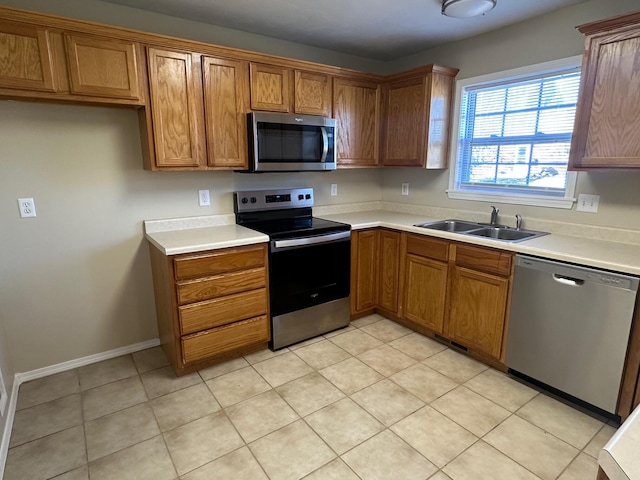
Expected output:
(496, 232)
(506, 234)
(458, 226)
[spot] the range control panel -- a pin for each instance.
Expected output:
(256, 200)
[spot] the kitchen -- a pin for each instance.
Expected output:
(85, 280)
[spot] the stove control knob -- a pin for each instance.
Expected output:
(254, 199)
(301, 197)
(244, 200)
(308, 196)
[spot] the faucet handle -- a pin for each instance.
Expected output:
(494, 209)
(518, 221)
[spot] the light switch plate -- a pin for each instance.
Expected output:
(405, 189)
(334, 189)
(588, 203)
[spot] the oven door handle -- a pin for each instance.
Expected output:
(300, 242)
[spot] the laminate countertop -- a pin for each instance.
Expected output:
(195, 234)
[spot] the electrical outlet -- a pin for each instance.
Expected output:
(27, 207)
(405, 189)
(334, 189)
(588, 203)
(203, 198)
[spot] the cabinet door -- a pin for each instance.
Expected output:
(270, 88)
(425, 289)
(608, 111)
(477, 309)
(103, 67)
(226, 104)
(364, 267)
(356, 110)
(389, 268)
(176, 108)
(405, 106)
(26, 58)
(312, 93)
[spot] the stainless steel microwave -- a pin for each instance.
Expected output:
(280, 142)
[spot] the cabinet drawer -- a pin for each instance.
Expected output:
(428, 247)
(190, 291)
(484, 259)
(213, 313)
(218, 262)
(225, 339)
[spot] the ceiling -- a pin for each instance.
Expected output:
(376, 29)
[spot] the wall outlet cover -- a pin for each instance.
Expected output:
(27, 207)
(334, 189)
(203, 198)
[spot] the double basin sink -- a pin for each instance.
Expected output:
(495, 232)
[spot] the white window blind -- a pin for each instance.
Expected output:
(515, 135)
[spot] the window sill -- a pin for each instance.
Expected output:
(565, 203)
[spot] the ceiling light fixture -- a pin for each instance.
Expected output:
(466, 8)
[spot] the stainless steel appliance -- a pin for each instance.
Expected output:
(309, 263)
(281, 142)
(569, 328)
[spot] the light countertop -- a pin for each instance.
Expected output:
(196, 234)
(619, 458)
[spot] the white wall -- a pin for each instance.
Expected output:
(118, 15)
(76, 279)
(545, 38)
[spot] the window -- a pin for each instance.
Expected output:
(514, 136)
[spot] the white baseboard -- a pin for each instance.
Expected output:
(81, 362)
(6, 435)
(23, 377)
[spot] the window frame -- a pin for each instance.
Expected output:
(507, 76)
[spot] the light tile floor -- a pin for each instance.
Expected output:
(372, 401)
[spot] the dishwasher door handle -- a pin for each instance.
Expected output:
(573, 282)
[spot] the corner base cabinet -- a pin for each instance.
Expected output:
(211, 306)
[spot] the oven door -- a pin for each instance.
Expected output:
(282, 142)
(304, 272)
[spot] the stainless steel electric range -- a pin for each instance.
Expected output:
(309, 263)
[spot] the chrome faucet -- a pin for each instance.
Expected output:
(494, 215)
(518, 221)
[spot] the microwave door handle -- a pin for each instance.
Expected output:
(325, 144)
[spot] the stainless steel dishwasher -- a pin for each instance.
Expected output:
(569, 328)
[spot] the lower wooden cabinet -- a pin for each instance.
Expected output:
(375, 271)
(211, 306)
(456, 291)
(364, 271)
(425, 280)
(477, 309)
(389, 271)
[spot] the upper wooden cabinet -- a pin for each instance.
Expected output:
(226, 105)
(281, 89)
(26, 58)
(270, 88)
(417, 117)
(177, 112)
(608, 111)
(357, 113)
(103, 67)
(198, 111)
(312, 93)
